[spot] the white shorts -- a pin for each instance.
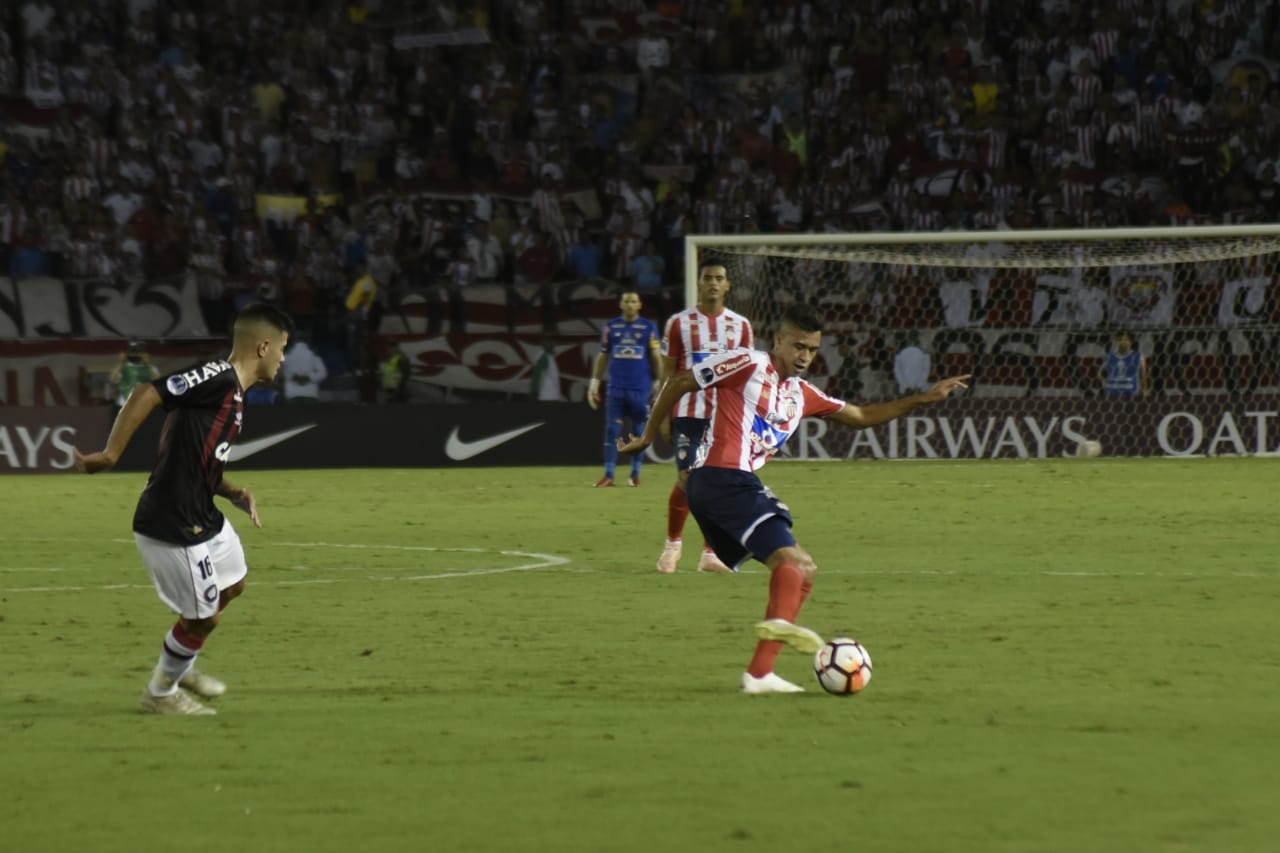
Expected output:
(190, 578)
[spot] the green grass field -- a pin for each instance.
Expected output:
(1070, 656)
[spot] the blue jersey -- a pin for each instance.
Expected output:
(629, 345)
(1123, 376)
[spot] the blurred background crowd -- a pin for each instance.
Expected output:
(288, 149)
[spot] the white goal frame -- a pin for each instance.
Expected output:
(693, 243)
(1171, 421)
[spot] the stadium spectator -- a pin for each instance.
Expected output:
(544, 380)
(394, 372)
(304, 373)
(911, 365)
(133, 369)
(186, 118)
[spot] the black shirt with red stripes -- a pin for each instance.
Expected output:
(205, 406)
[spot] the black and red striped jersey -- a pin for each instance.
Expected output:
(205, 406)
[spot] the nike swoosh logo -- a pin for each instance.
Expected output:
(245, 449)
(459, 450)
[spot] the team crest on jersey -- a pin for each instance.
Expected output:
(790, 409)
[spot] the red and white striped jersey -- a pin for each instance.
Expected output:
(691, 337)
(1087, 88)
(1104, 44)
(754, 410)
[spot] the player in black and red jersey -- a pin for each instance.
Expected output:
(193, 553)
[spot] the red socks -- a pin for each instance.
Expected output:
(677, 513)
(788, 590)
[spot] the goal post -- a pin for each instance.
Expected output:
(1036, 317)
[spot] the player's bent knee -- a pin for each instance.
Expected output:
(796, 556)
(200, 627)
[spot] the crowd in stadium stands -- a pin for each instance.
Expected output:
(448, 143)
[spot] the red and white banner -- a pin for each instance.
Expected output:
(74, 373)
(43, 308)
(578, 307)
(498, 364)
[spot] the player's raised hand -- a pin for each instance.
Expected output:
(633, 443)
(244, 500)
(91, 463)
(943, 389)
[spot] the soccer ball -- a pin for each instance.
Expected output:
(843, 666)
(1089, 449)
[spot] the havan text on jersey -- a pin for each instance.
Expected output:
(180, 383)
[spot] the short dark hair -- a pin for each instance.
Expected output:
(803, 317)
(267, 313)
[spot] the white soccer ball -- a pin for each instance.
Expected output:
(843, 666)
(1089, 449)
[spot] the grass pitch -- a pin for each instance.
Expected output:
(1070, 656)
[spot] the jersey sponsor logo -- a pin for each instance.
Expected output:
(733, 365)
(766, 438)
(458, 450)
(180, 383)
(245, 449)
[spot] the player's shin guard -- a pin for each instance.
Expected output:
(612, 432)
(677, 513)
(177, 657)
(788, 589)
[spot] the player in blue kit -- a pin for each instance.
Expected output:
(630, 353)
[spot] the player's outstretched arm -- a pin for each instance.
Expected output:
(879, 413)
(675, 388)
(143, 400)
(598, 368)
(241, 498)
(667, 369)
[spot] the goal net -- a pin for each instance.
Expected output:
(1038, 318)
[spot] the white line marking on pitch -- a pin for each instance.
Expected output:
(539, 561)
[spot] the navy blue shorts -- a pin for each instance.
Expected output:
(686, 435)
(738, 514)
(627, 404)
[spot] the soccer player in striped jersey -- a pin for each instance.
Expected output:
(760, 399)
(193, 553)
(629, 347)
(690, 338)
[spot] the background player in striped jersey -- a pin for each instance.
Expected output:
(760, 401)
(192, 551)
(629, 348)
(692, 336)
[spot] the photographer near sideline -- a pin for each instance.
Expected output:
(133, 369)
